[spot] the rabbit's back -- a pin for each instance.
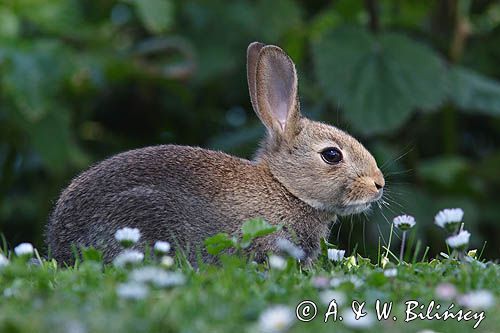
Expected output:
(174, 193)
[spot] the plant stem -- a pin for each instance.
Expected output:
(449, 130)
(372, 8)
(389, 245)
(403, 244)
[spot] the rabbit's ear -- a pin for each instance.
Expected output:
(276, 92)
(252, 57)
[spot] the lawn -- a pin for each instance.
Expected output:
(158, 294)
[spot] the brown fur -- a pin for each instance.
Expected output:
(184, 194)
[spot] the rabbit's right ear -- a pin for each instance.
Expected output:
(276, 92)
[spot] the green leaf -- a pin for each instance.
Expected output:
(272, 26)
(51, 137)
(378, 79)
(472, 91)
(30, 79)
(91, 254)
(9, 23)
(252, 229)
(55, 16)
(218, 243)
(443, 170)
(28, 94)
(156, 15)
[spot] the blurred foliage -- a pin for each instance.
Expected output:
(416, 81)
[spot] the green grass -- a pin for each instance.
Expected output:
(228, 297)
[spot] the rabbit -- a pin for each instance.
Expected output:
(303, 176)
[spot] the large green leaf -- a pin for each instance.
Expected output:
(156, 15)
(219, 242)
(237, 23)
(255, 228)
(445, 171)
(9, 23)
(378, 79)
(51, 137)
(23, 81)
(32, 77)
(472, 91)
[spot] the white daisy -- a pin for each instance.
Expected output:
(404, 222)
(3, 260)
(167, 261)
(391, 272)
(459, 240)
(291, 249)
(162, 247)
(320, 282)
(277, 262)
(337, 281)
(146, 274)
(477, 300)
(24, 250)
(157, 277)
(128, 257)
(170, 279)
(132, 290)
(336, 255)
(449, 218)
(474, 261)
(349, 319)
(357, 282)
(277, 318)
(326, 296)
(127, 236)
(446, 291)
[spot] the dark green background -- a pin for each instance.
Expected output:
(415, 81)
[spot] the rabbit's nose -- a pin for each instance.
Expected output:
(378, 180)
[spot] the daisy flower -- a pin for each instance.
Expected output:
(477, 300)
(449, 218)
(132, 290)
(336, 255)
(157, 277)
(276, 319)
(291, 249)
(167, 261)
(320, 282)
(277, 262)
(128, 257)
(391, 272)
(3, 260)
(349, 319)
(337, 281)
(404, 222)
(446, 291)
(459, 241)
(127, 236)
(162, 247)
(326, 296)
(24, 250)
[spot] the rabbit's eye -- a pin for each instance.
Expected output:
(331, 155)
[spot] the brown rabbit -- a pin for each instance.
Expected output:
(304, 174)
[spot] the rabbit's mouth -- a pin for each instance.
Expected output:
(351, 209)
